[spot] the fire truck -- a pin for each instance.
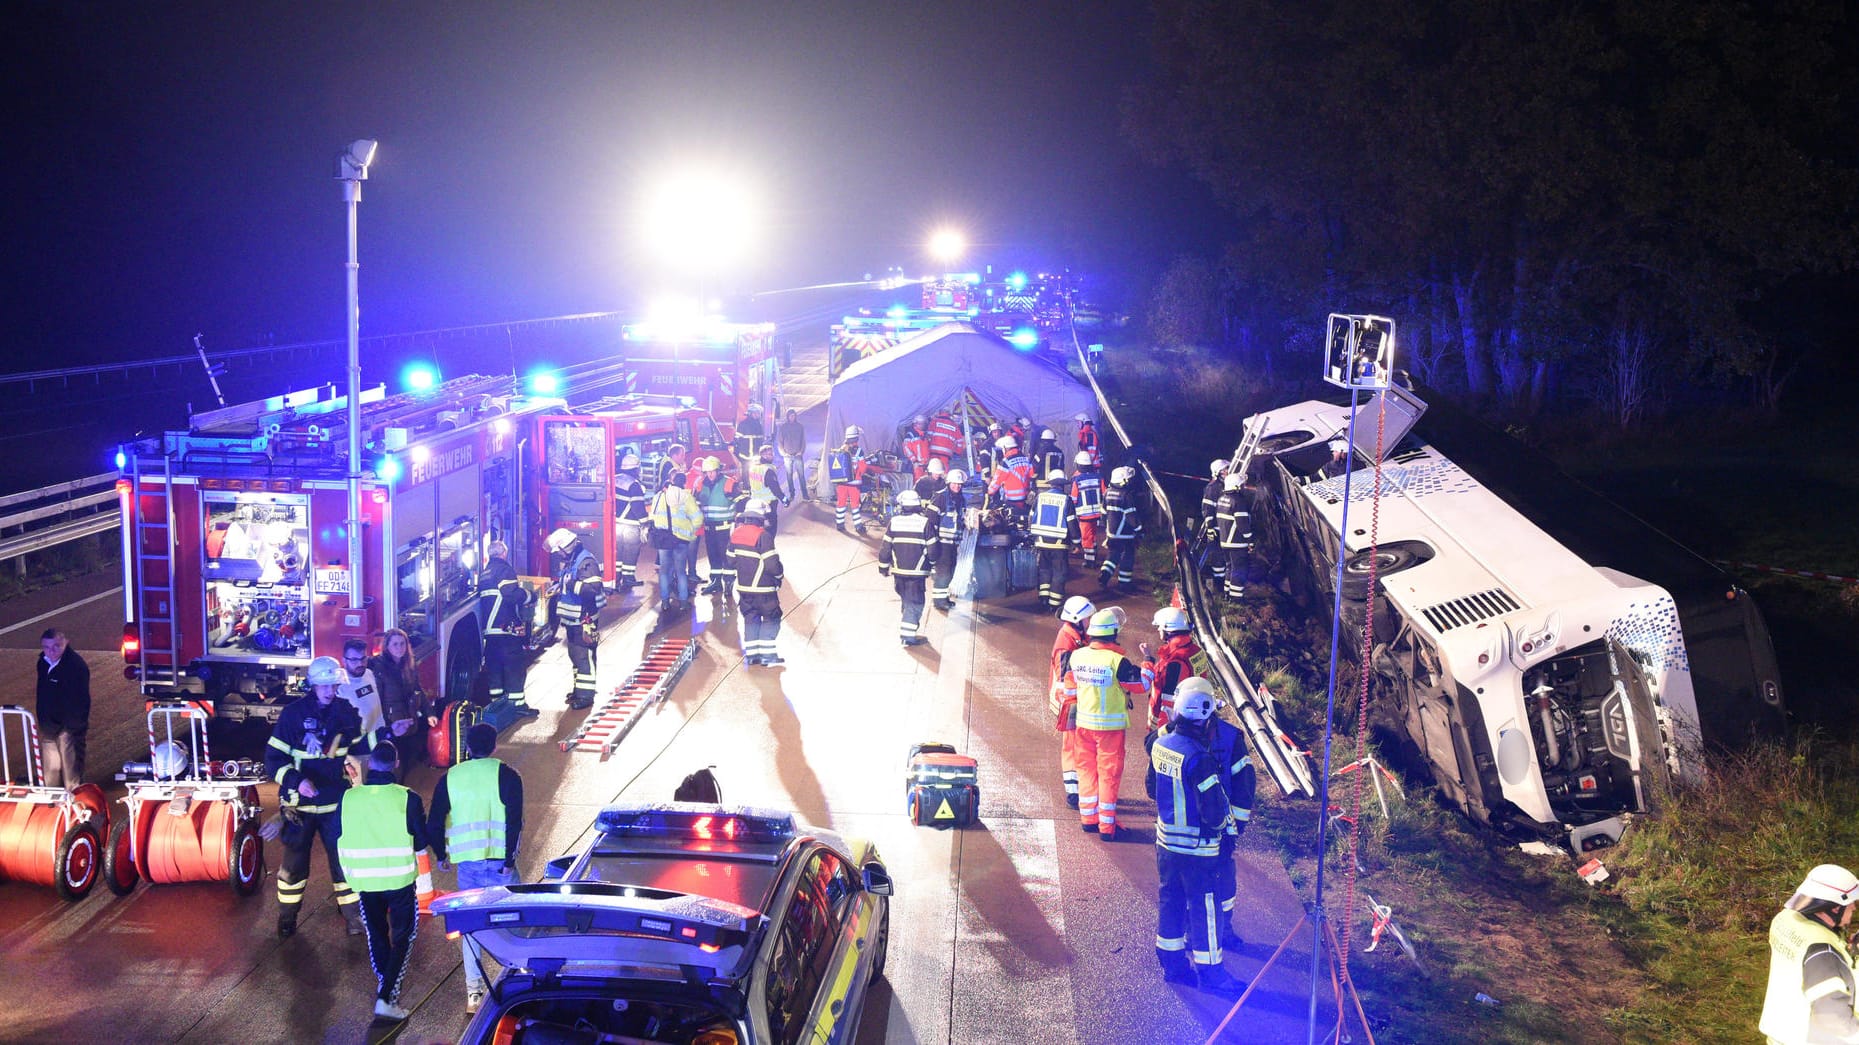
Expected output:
(236, 561)
(722, 367)
(950, 293)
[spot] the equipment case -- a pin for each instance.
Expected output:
(445, 742)
(942, 788)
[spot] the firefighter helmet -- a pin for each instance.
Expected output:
(1081, 418)
(1056, 477)
(168, 759)
(1194, 699)
(1169, 618)
(754, 511)
(1218, 467)
(1006, 442)
(1023, 422)
(919, 420)
(909, 499)
(1077, 610)
(852, 432)
(1121, 476)
(1104, 624)
(711, 464)
(957, 477)
(1046, 433)
(325, 671)
(629, 461)
(755, 408)
(935, 466)
(1831, 883)
(766, 453)
(1235, 480)
(560, 540)
(1082, 459)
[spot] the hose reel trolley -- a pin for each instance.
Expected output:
(48, 835)
(189, 818)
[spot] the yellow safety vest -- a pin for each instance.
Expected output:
(1786, 1009)
(1102, 702)
(376, 851)
(474, 826)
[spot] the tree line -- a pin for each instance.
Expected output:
(1614, 202)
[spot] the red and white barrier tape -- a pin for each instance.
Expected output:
(1809, 574)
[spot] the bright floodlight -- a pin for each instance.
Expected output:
(947, 245)
(699, 221)
(353, 164)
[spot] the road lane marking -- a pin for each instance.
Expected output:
(118, 590)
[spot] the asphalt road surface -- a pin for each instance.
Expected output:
(1022, 928)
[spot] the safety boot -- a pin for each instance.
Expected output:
(351, 913)
(287, 922)
(1230, 939)
(1216, 980)
(1175, 967)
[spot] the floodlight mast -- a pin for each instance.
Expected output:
(352, 170)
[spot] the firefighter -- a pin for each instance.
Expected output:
(1088, 501)
(1810, 994)
(909, 551)
(931, 482)
(503, 612)
(916, 446)
(751, 435)
(765, 485)
(715, 493)
(1021, 429)
(380, 832)
(981, 451)
(1171, 662)
(945, 437)
(1063, 706)
(476, 822)
(1012, 483)
(758, 583)
(1123, 525)
(950, 506)
(1054, 526)
(580, 596)
(1234, 760)
(1210, 515)
(309, 743)
(845, 466)
(1234, 514)
(630, 504)
(1104, 683)
(675, 463)
(1046, 456)
(1191, 815)
(1087, 440)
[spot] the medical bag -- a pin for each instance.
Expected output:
(943, 788)
(445, 742)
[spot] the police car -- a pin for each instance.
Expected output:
(684, 922)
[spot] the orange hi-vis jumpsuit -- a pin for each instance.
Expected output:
(1106, 684)
(1172, 662)
(1058, 699)
(944, 436)
(1088, 496)
(916, 446)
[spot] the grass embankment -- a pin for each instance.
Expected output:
(1673, 947)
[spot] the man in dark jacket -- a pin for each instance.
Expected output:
(758, 583)
(63, 710)
(309, 744)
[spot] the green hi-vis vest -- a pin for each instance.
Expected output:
(376, 851)
(474, 826)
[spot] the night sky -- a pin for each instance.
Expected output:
(172, 166)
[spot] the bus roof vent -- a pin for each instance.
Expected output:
(1470, 609)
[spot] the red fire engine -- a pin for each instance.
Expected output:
(722, 367)
(950, 293)
(236, 566)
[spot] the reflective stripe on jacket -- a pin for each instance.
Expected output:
(474, 825)
(1104, 680)
(1190, 804)
(376, 850)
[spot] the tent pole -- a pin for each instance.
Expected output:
(968, 439)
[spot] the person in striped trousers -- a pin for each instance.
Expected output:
(909, 551)
(758, 583)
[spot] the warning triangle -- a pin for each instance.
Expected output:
(943, 812)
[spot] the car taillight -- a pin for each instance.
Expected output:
(132, 644)
(715, 1036)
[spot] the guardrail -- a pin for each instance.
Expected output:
(57, 514)
(1288, 764)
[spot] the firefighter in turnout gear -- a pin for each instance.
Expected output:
(1087, 441)
(579, 598)
(1233, 512)
(631, 502)
(1047, 457)
(309, 743)
(751, 434)
(1105, 684)
(1012, 484)
(1210, 514)
(758, 583)
(1088, 501)
(950, 510)
(909, 553)
(1123, 525)
(845, 466)
(1054, 526)
(381, 830)
(503, 612)
(1811, 990)
(1171, 662)
(1062, 704)
(716, 498)
(1191, 815)
(1233, 758)
(765, 486)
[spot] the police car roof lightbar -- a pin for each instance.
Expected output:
(697, 821)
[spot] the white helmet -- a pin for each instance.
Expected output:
(909, 499)
(1056, 475)
(1077, 610)
(1830, 882)
(957, 477)
(935, 466)
(325, 671)
(1104, 624)
(1194, 699)
(168, 759)
(1023, 422)
(1081, 419)
(852, 432)
(1169, 618)
(755, 408)
(756, 508)
(1122, 476)
(629, 461)
(1218, 467)
(1082, 459)
(1046, 433)
(559, 541)
(1235, 480)
(1122, 616)
(1006, 442)
(919, 420)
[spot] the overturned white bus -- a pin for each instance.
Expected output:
(1549, 656)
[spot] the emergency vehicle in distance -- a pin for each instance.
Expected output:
(721, 367)
(1548, 656)
(235, 536)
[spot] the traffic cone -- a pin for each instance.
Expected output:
(422, 885)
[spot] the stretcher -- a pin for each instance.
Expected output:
(609, 722)
(48, 835)
(188, 818)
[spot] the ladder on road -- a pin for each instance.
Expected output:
(609, 722)
(151, 523)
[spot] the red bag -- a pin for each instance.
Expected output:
(445, 742)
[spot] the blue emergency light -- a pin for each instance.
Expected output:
(122, 460)
(544, 383)
(1025, 339)
(1017, 281)
(419, 377)
(387, 469)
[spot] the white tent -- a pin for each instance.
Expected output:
(943, 367)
